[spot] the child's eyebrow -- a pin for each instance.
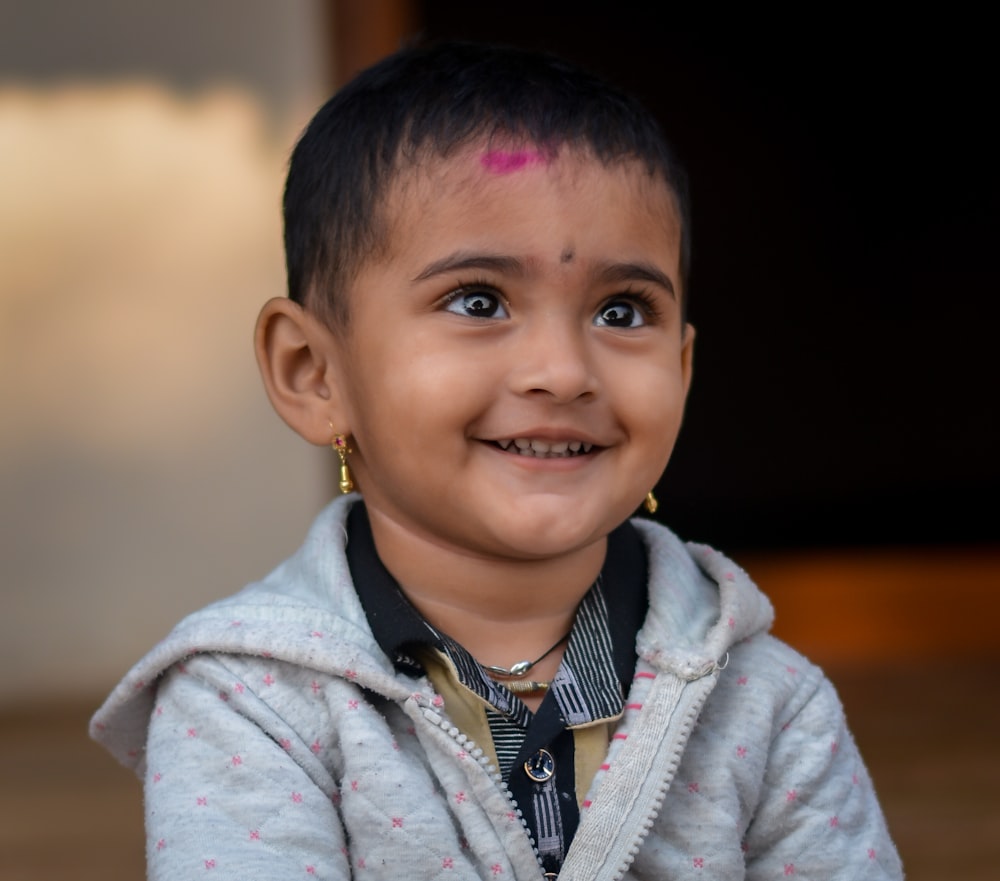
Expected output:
(612, 273)
(472, 260)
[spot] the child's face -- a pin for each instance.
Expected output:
(523, 302)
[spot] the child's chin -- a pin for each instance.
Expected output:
(545, 538)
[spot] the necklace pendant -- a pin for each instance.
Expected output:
(520, 668)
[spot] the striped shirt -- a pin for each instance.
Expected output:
(537, 753)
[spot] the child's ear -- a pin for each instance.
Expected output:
(296, 354)
(687, 356)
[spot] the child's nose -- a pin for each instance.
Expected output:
(553, 358)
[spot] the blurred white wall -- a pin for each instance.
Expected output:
(142, 472)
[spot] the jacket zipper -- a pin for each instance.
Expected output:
(661, 793)
(476, 752)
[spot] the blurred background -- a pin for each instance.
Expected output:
(841, 440)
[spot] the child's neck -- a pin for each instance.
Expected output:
(501, 611)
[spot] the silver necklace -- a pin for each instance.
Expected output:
(521, 668)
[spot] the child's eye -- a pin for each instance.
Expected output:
(475, 303)
(620, 313)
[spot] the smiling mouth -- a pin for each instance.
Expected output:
(542, 449)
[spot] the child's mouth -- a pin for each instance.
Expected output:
(542, 449)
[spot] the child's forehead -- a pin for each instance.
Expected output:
(482, 169)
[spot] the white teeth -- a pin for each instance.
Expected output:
(542, 449)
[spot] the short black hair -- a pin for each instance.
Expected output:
(433, 100)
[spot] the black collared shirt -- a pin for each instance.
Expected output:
(595, 675)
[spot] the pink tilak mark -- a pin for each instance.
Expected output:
(509, 161)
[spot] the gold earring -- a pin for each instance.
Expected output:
(340, 447)
(650, 504)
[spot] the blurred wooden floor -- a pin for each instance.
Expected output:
(930, 735)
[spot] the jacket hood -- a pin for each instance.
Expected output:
(701, 604)
(307, 613)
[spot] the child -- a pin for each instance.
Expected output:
(477, 666)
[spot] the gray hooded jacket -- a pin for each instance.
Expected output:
(277, 741)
